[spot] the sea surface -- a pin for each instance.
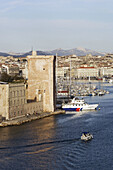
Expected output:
(53, 143)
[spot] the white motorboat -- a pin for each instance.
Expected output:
(78, 105)
(101, 93)
(86, 136)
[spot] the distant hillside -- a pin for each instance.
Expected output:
(4, 54)
(59, 52)
(76, 51)
(22, 54)
(30, 53)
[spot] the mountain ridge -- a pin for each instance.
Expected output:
(60, 52)
(75, 51)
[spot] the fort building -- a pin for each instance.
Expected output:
(41, 90)
(41, 80)
(12, 100)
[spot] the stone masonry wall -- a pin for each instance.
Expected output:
(33, 108)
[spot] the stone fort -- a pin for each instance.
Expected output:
(41, 80)
(17, 102)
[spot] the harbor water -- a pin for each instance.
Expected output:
(54, 143)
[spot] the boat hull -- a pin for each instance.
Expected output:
(73, 109)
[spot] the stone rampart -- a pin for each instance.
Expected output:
(33, 108)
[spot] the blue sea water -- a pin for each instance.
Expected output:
(53, 143)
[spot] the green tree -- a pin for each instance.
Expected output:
(6, 78)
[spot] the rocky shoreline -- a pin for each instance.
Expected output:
(25, 119)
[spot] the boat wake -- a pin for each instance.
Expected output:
(40, 144)
(73, 115)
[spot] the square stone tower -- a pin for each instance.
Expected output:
(41, 80)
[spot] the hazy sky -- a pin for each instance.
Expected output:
(51, 24)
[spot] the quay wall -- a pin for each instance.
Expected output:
(25, 119)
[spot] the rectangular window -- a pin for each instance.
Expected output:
(21, 92)
(18, 102)
(17, 93)
(24, 92)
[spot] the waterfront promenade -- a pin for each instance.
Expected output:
(29, 118)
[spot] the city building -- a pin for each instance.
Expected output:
(84, 72)
(106, 71)
(10, 69)
(24, 71)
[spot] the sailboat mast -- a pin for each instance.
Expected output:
(70, 78)
(56, 75)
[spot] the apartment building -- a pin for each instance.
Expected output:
(106, 71)
(10, 69)
(84, 72)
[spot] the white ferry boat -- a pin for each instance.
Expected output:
(78, 105)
